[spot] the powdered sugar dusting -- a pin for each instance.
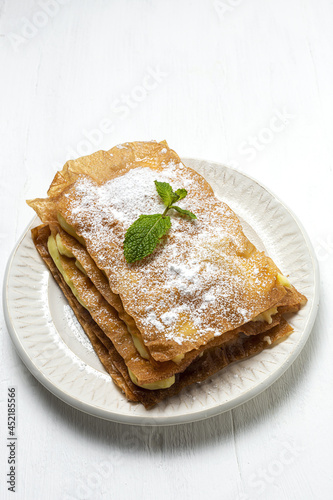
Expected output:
(195, 281)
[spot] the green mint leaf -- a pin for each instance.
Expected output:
(143, 235)
(166, 193)
(184, 212)
(181, 193)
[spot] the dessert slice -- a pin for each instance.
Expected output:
(204, 298)
(203, 281)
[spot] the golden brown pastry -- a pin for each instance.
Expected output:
(175, 316)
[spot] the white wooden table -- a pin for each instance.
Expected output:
(246, 83)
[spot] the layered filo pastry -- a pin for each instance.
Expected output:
(204, 298)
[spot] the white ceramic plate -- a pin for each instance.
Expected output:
(55, 349)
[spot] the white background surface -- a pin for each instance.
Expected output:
(214, 79)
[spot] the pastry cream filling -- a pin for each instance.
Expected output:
(138, 343)
(161, 384)
(282, 280)
(178, 359)
(80, 267)
(70, 229)
(266, 315)
(143, 351)
(54, 252)
(63, 250)
(140, 347)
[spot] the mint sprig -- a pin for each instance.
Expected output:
(143, 235)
